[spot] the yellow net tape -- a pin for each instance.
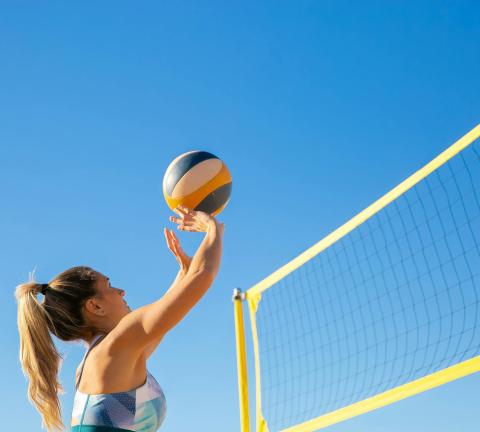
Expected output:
(385, 307)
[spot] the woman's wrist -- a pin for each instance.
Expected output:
(212, 225)
(185, 265)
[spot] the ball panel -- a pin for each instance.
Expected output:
(171, 167)
(199, 175)
(221, 208)
(215, 201)
(183, 164)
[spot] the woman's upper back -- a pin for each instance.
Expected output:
(142, 408)
(100, 371)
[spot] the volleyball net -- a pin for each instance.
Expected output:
(385, 307)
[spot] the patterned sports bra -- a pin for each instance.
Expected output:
(139, 410)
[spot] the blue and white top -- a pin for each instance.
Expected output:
(139, 410)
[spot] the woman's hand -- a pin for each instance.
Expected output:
(174, 245)
(194, 221)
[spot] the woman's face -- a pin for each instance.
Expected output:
(108, 305)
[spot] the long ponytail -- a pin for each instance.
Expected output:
(39, 358)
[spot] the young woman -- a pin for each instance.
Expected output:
(115, 391)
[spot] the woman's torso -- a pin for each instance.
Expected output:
(101, 402)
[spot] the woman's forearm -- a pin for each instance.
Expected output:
(208, 255)
(180, 275)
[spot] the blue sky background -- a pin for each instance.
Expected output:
(317, 107)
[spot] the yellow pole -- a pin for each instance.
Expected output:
(238, 297)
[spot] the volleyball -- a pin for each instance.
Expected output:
(198, 180)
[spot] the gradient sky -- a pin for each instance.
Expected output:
(317, 107)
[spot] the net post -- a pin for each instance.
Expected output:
(238, 298)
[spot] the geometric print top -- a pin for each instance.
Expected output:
(140, 410)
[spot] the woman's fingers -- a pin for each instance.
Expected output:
(188, 220)
(175, 240)
(167, 237)
(185, 209)
(185, 222)
(171, 243)
(181, 213)
(169, 240)
(185, 228)
(182, 210)
(175, 251)
(179, 210)
(176, 220)
(186, 213)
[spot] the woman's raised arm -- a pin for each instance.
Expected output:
(147, 325)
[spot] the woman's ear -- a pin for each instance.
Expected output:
(92, 307)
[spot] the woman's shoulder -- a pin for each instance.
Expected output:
(108, 347)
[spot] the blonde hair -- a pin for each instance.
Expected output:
(61, 314)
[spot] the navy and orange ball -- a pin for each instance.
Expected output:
(198, 180)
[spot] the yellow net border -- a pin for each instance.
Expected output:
(254, 294)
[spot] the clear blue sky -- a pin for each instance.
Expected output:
(317, 107)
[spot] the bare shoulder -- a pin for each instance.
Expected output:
(112, 347)
(130, 338)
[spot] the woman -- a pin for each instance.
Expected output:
(112, 391)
